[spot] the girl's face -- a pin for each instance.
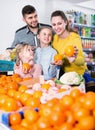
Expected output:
(45, 36)
(58, 25)
(27, 53)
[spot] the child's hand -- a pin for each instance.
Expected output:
(58, 59)
(60, 62)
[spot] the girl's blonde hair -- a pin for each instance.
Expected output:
(19, 49)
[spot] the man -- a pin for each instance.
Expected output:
(28, 33)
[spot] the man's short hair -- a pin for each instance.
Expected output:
(28, 9)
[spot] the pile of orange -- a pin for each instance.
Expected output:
(75, 111)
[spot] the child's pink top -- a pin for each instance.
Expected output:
(34, 72)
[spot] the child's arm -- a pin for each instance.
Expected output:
(52, 67)
(36, 71)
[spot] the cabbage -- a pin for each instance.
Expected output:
(71, 78)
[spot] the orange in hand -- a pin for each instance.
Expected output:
(69, 50)
(26, 66)
(58, 57)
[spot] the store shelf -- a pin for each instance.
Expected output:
(87, 34)
(88, 38)
(83, 25)
(90, 63)
(89, 50)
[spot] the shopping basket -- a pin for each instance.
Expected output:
(6, 65)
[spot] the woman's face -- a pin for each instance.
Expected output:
(58, 24)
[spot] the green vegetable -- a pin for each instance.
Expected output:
(57, 81)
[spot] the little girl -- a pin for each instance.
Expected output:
(25, 54)
(44, 54)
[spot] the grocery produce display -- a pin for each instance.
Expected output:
(36, 104)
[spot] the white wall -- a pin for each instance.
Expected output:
(11, 17)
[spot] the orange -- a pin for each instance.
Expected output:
(69, 117)
(18, 127)
(11, 92)
(75, 92)
(3, 90)
(52, 102)
(67, 101)
(45, 111)
(10, 105)
(14, 118)
(56, 118)
(65, 126)
(76, 106)
(22, 88)
(81, 113)
(45, 86)
(33, 102)
(24, 123)
(37, 94)
(18, 79)
(3, 99)
(89, 103)
(24, 98)
(12, 85)
(15, 127)
(26, 66)
(15, 76)
(31, 115)
(33, 126)
(69, 50)
(17, 95)
(87, 123)
(58, 57)
(43, 123)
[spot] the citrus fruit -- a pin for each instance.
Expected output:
(69, 50)
(26, 66)
(58, 57)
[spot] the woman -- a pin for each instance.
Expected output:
(64, 37)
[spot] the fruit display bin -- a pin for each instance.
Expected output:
(3, 127)
(6, 65)
(4, 119)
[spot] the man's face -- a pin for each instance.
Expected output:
(31, 19)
